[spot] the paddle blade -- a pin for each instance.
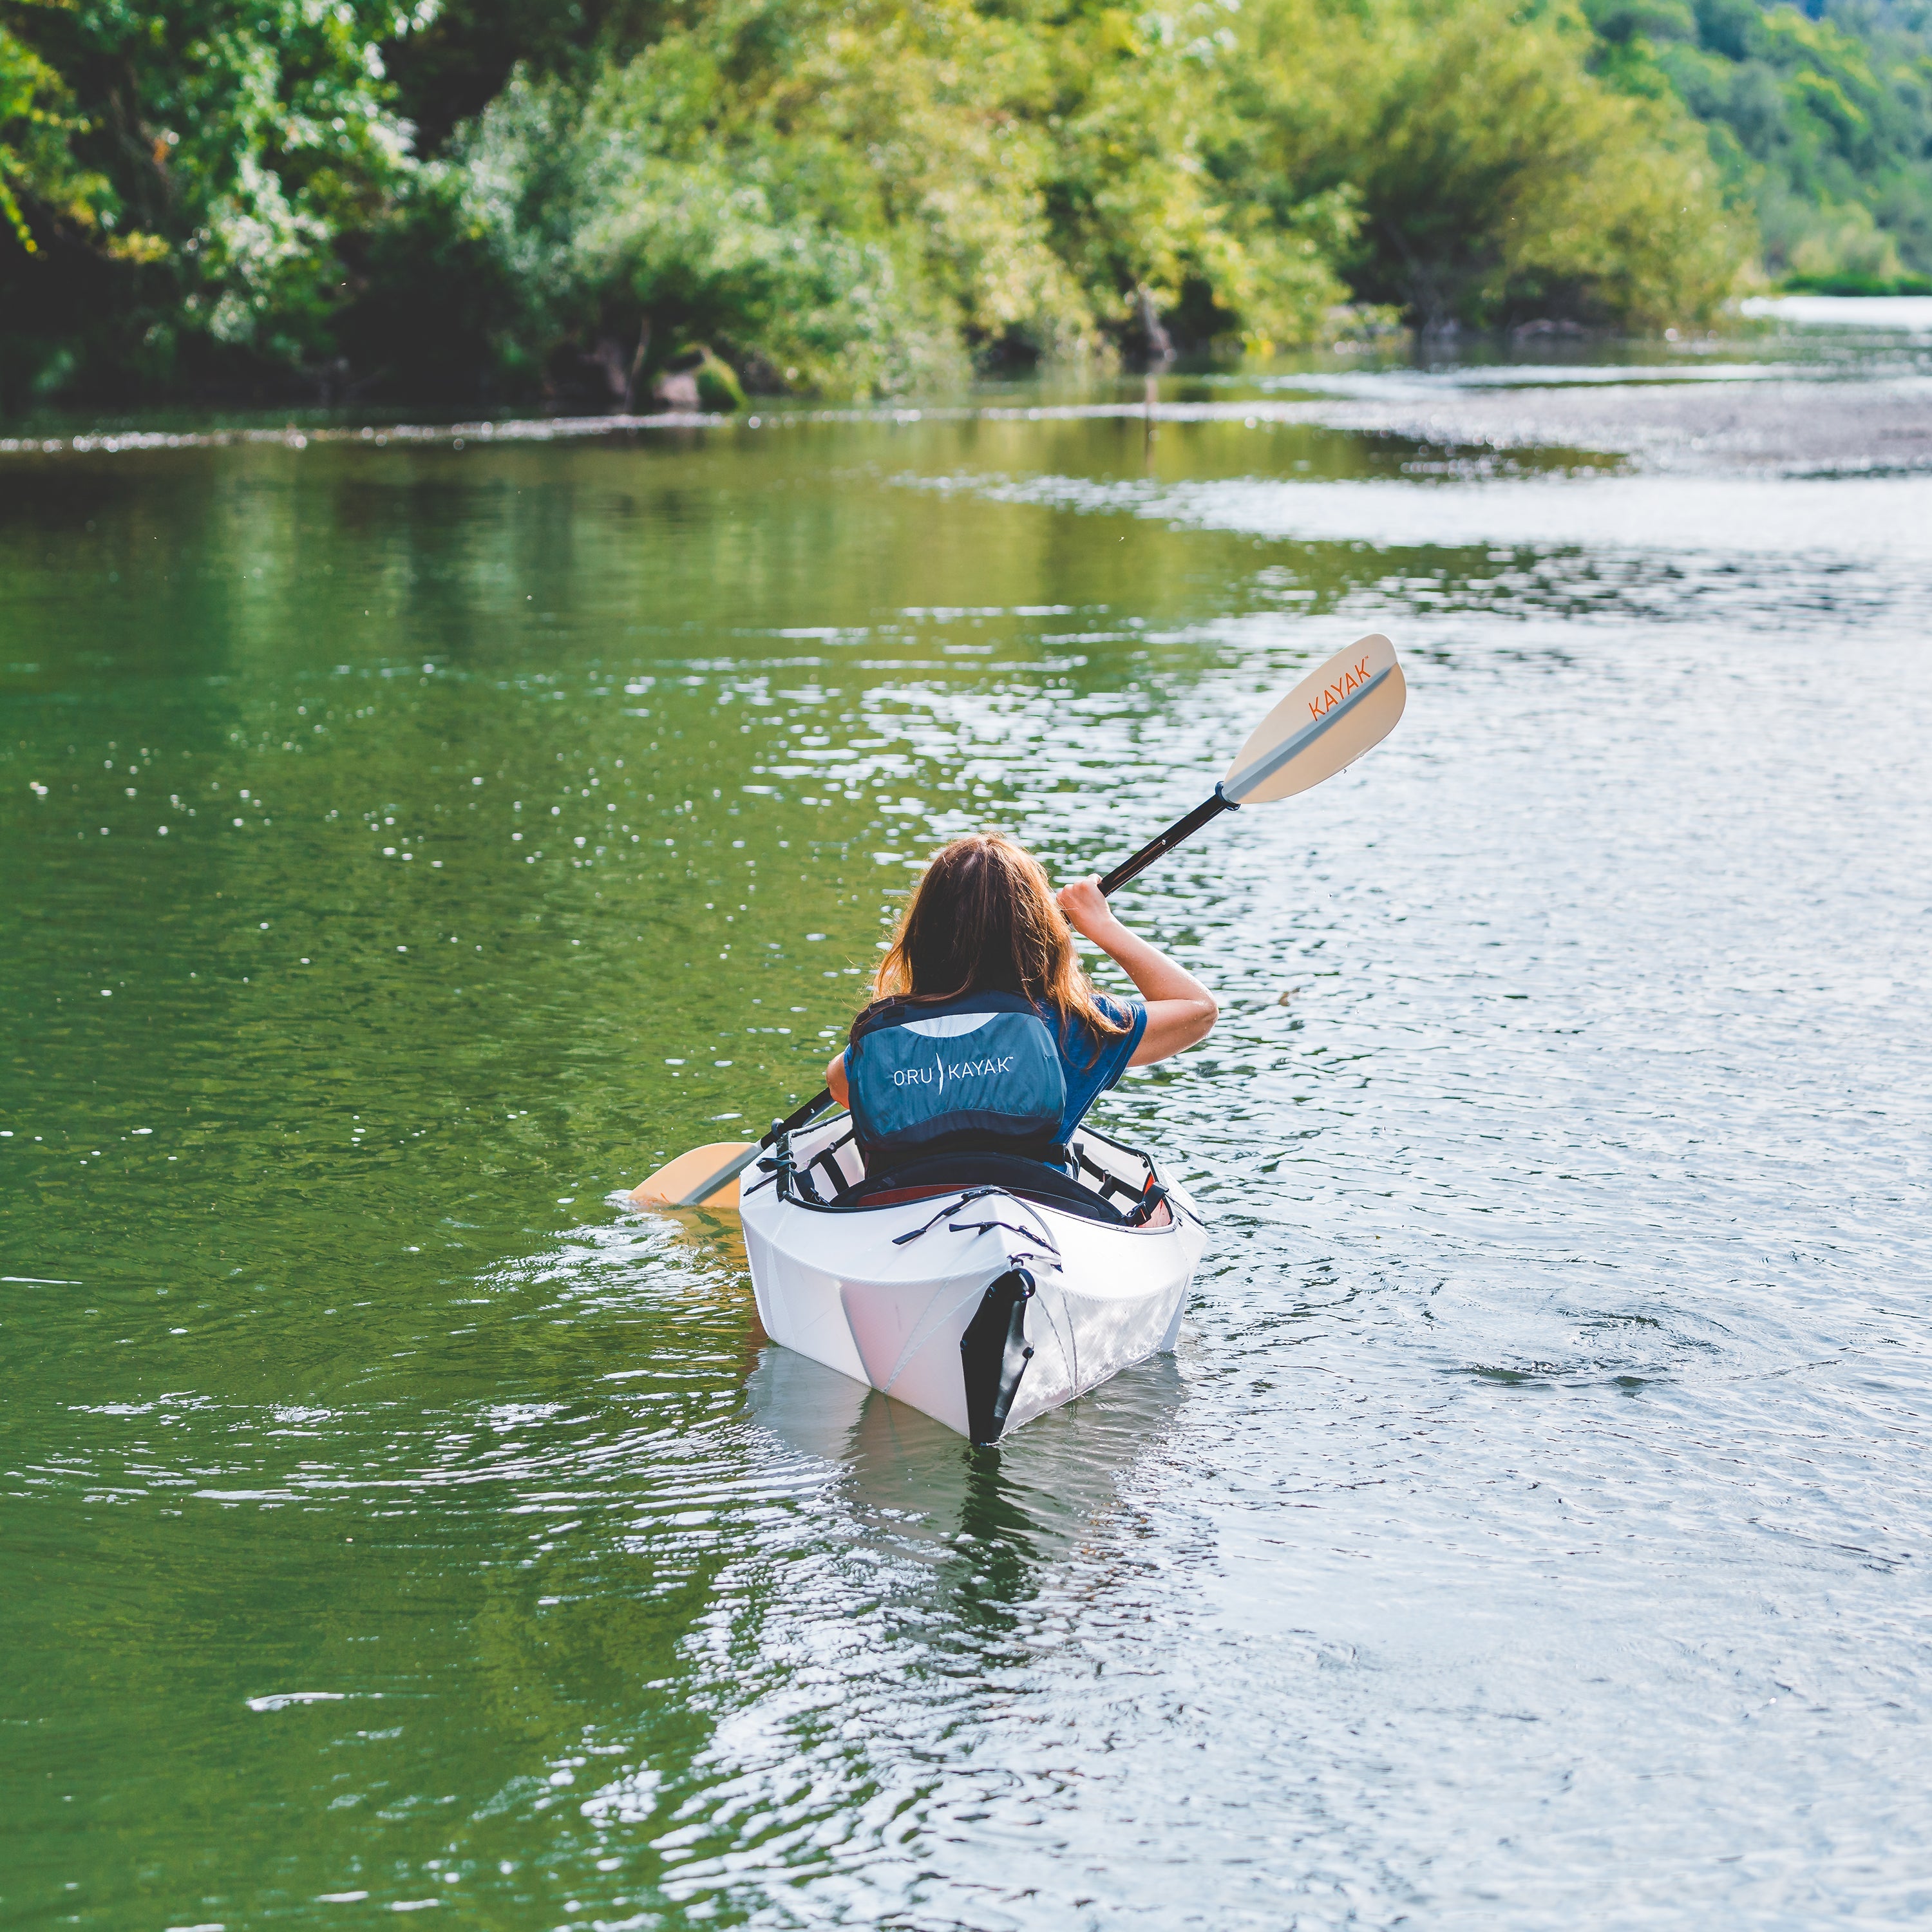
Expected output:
(706, 1177)
(1335, 714)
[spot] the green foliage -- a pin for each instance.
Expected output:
(216, 155)
(856, 197)
(1497, 180)
(1823, 127)
(718, 388)
(36, 121)
(522, 197)
(661, 196)
(1858, 285)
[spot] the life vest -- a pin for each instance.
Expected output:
(979, 1072)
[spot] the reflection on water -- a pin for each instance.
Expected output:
(1525, 1530)
(910, 1482)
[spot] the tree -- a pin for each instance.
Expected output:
(215, 153)
(1497, 180)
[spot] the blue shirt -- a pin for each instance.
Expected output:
(1090, 1073)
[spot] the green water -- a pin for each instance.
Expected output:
(403, 848)
(495, 782)
(529, 815)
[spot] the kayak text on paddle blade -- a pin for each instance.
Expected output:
(673, 1184)
(1335, 714)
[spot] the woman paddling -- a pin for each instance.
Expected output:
(985, 1035)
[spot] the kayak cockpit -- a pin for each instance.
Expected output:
(1109, 1182)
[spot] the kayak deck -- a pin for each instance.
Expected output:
(1065, 1293)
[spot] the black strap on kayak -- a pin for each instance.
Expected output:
(1049, 1252)
(780, 1168)
(1110, 1184)
(834, 1174)
(794, 1183)
(1051, 1255)
(951, 1207)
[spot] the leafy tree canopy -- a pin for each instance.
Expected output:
(584, 198)
(1819, 121)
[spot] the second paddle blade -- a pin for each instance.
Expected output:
(674, 1182)
(1335, 714)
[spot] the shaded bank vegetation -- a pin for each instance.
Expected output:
(598, 203)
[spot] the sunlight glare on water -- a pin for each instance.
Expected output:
(1527, 1529)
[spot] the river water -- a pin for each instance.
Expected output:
(405, 842)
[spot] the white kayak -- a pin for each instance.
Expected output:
(983, 1291)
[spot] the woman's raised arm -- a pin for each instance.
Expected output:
(1181, 1010)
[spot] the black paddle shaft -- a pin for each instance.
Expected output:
(804, 1117)
(1207, 810)
(1128, 868)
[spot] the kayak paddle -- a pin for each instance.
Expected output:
(1339, 710)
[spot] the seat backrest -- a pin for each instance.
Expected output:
(980, 1073)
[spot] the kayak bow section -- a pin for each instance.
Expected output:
(982, 1306)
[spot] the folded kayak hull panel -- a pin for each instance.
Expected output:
(844, 1288)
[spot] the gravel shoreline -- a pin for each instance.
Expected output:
(1797, 427)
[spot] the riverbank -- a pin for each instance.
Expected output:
(1712, 414)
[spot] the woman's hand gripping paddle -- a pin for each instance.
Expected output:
(1339, 710)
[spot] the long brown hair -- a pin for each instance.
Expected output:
(983, 920)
